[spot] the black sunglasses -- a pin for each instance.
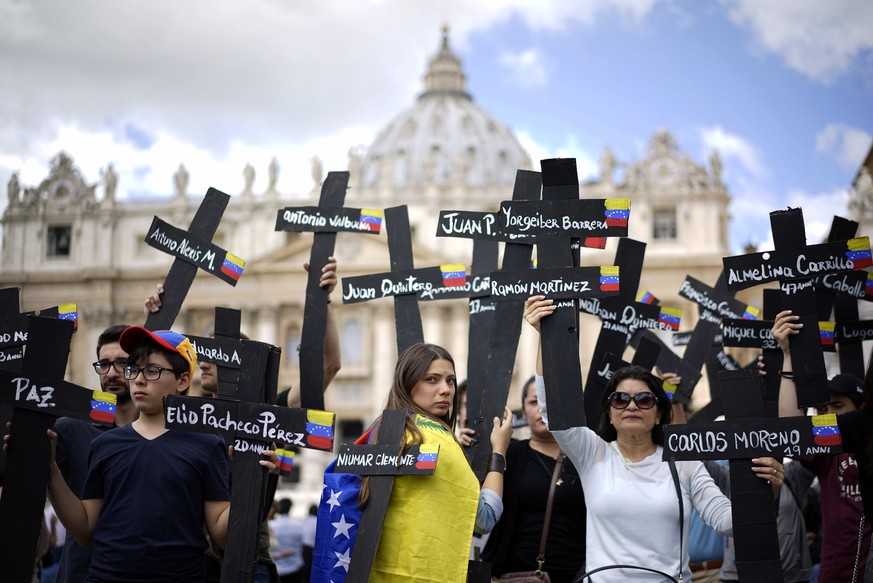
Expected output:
(643, 399)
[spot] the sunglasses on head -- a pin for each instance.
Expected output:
(643, 399)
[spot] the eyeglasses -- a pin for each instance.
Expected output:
(644, 400)
(101, 367)
(151, 372)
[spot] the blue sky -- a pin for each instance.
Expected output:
(781, 88)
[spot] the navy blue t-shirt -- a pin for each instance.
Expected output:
(151, 526)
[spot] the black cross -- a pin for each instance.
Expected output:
(744, 436)
(620, 317)
(403, 282)
(794, 264)
(486, 399)
(193, 249)
(39, 396)
(325, 221)
(247, 378)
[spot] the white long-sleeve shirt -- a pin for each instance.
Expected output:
(633, 510)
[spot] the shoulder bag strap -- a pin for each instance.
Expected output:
(681, 512)
(541, 557)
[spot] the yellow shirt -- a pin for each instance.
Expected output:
(428, 527)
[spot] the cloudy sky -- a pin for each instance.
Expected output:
(783, 89)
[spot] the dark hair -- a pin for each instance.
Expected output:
(606, 430)
(110, 335)
(411, 367)
(313, 510)
(146, 347)
(283, 506)
(524, 387)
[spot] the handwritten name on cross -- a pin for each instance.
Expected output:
(193, 250)
(39, 396)
(744, 436)
(404, 283)
(325, 221)
(795, 264)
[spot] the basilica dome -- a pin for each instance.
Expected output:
(443, 148)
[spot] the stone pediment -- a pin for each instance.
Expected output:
(63, 190)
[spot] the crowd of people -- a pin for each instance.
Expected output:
(139, 502)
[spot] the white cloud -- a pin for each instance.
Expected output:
(734, 147)
(818, 39)
(527, 69)
(845, 144)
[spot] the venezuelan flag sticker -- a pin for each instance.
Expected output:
(751, 313)
(617, 211)
(825, 430)
(103, 406)
(868, 286)
(670, 389)
(670, 317)
(859, 252)
(454, 274)
(233, 266)
(826, 331)
(372, 219)
(609, 278)
(319, 429)
(646, 297)
(427, 456)
(286, 460)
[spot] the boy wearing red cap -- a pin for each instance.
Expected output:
(150, 491)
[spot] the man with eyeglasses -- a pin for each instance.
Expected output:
(75, 437)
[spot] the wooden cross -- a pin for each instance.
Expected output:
(240, 417)
(325, 221)
(794, 264)
(403, 282)
(620, 317)
(486, 397)
(192, 249)
(39, 396)
(743, 436)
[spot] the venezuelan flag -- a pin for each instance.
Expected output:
(617, 211)
(751, 313)
(670, 317)
(319, 429)
(826, 330)
(372, 219)
(609, 278)
(454, 274)
(427, 456)
(68, 312)
(595, 242)
(646, 297)
(670, 389)
(825, 430)
(286, 460)
(868, 286)
(859, 252)
(233, 266)
(103, 406)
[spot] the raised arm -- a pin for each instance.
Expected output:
(78, 516)
(785, 325)
(332, 356)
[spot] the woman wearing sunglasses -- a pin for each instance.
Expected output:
(630, 494)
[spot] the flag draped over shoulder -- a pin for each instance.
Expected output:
(428, 528)
(337, 526)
